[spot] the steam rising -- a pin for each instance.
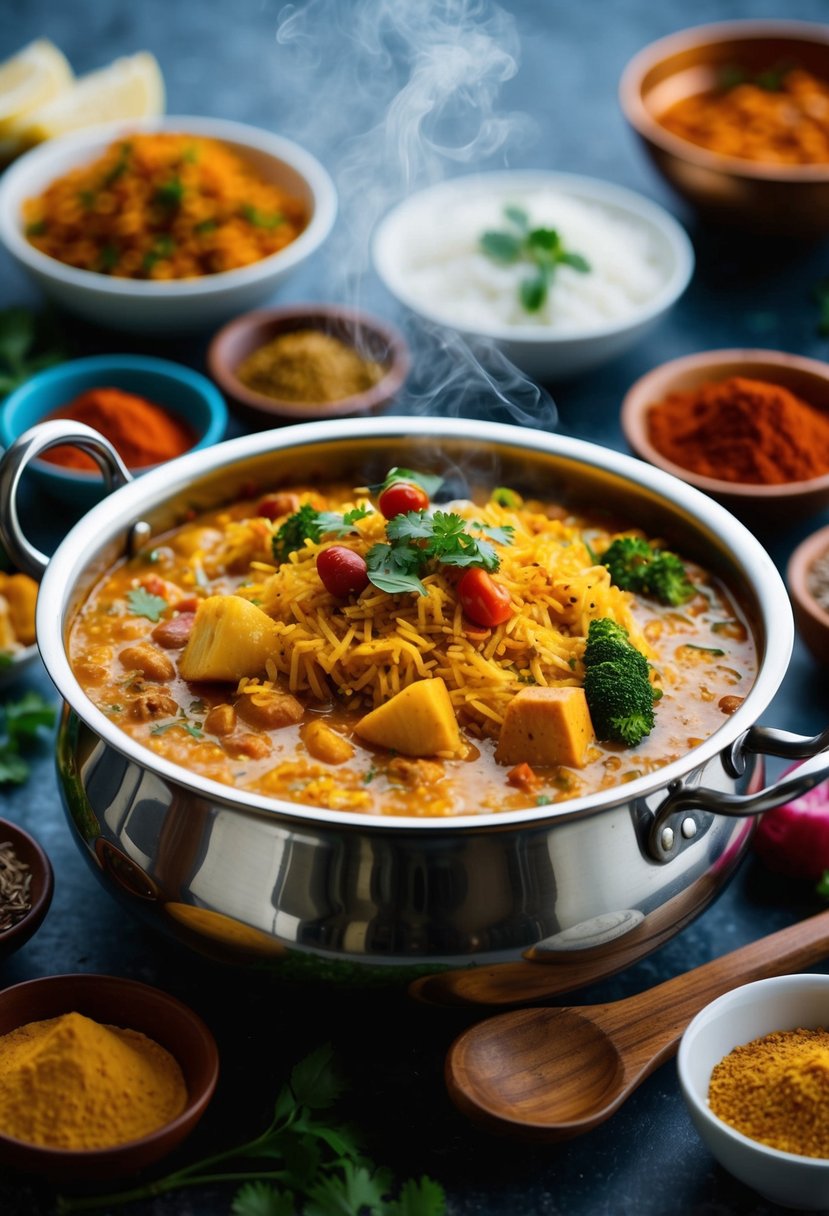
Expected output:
(395, 95)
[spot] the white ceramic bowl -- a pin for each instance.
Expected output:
(746, 1013)
(545, 351)
(148, 306)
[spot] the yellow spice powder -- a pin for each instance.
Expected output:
(308, 365)
(776, 1090)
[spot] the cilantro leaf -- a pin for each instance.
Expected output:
(301, 526)
(501, 536)
(24, 717)
(261, 219)
(315, 1082)
(28, 343)
(501, 246)
(418, 1197)
(261, 1199)
(394, 568)
(429, 482)
(414, 525)
(142, 603)
(13, 768)
(542, 249)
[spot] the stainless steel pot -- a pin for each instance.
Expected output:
(598, 881)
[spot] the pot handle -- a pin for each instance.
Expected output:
(22, 452)
(760, 740)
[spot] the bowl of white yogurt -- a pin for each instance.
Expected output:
(558, 271)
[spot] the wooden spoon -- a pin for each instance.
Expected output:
(553, 1073)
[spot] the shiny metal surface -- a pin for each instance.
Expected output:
(312, 890)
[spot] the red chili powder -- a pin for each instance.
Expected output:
(142, 432)
(742, 430)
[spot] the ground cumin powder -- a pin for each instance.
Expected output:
(776, 1090)
(308, 365)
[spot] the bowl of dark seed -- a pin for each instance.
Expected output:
(26, 886)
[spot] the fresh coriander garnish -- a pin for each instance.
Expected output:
(261, 219)
(301, 1162)
(308, 524)
(419, 537)
(22, 334)
(142, 603)
(430, 483)
(170, 193)
(163, 246)
(20, 725)
(540, 248)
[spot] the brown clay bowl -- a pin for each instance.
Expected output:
(811, 619)
(119, 1002)
(756, 504)
(40, 891)
(375, 340)
(764, 197)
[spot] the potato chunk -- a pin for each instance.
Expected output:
(417, 721)
(325, 744)
(546, 726)
(230, 638)
(20, 593)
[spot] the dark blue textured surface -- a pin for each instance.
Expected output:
(222, 57)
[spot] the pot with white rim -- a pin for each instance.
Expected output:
(335, 894)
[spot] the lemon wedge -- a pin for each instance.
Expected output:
(31, 78)
(132, 87)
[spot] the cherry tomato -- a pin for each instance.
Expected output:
(400, 497)
(343, 572)
(272, 506)
(483, 601)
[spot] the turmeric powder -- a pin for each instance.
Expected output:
(71, 1083)
(776, 1090)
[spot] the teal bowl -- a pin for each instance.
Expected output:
(180, 390)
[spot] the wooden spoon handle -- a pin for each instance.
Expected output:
(652, 1022)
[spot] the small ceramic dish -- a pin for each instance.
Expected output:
(186, 393)
(785, 198)
(427, 253)
(42, 883)
(808, 379)
(166, 306)
(114, 1001)
(374, 340)
(811, 618)
(746, 1013)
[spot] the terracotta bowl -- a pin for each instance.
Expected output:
(791, 199)
(376, 340)
(766, 504)
(118, 1002)
(811, 619)
(42, 886)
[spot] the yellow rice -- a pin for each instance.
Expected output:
(366, 650)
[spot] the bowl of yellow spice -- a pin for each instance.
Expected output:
(308, 362)
(754, 1071)
(100, 1076)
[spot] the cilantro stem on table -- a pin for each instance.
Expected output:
(28, 344)
(541, 249)
(302, 1163)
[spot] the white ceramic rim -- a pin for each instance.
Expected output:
(116, 513)
(32, 168)
(686, 1047)
(643, 121)
(385, 242)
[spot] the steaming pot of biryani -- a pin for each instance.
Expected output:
(560, 272)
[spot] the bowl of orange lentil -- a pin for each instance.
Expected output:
(735, 117)
(164, 226)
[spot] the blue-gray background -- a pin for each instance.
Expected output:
(534, 85)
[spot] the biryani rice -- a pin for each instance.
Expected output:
(368, 649)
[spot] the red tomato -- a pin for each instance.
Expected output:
(273, 506)
(343, 572)
(400, 497)
(482, 600)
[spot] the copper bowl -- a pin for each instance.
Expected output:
(758, 505)
(811, 618)
(373, 339)
(114, 1001)
(760, 196)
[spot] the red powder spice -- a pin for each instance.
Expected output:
(142, 432)
(742, 430)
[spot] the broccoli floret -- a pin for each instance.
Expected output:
(619, 693)
(635, 565)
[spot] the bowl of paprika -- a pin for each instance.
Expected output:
(750, 428)
(151, 409)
